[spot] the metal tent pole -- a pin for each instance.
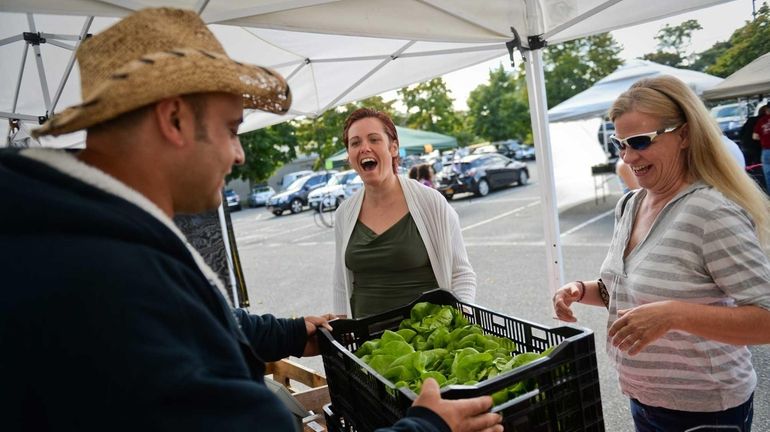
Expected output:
(538, 109)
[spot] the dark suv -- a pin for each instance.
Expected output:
(480, 174)
(294, 198)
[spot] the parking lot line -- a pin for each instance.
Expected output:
(586, 223)
(502, 215)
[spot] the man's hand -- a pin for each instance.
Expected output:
(311, 325)
(562, 300)
(462, 415)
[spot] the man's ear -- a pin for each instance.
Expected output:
(170, 114)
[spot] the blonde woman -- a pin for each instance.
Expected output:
(686, 280)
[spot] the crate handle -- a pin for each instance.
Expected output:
(514, 401)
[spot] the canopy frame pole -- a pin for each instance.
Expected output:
(366, 76)
(40, 67)
(582, 17)
(21, 75)
(538, 109)
(65, 77)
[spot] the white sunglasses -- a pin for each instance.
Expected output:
(640, 141)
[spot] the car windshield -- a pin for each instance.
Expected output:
(337, 179)
(726, 111)
(297, 184)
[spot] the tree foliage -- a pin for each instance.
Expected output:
(746, 44)
(574, 66)
(498, 110)
(673, 44)
(266, 150)
(429, 107)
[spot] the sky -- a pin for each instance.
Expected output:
(718, 24)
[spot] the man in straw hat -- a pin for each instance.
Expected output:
(109, 319)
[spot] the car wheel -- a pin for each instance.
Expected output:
(296, 206)
(482, 189)
(523, 178)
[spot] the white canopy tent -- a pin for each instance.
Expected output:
(595, 101)
(750, 80)
(332, 51)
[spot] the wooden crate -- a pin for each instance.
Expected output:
(308, 388)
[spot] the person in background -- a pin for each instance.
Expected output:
(414, 172)
(751, 148)
(626, 176)
(686, 280)
(762, 134)
(394, 239)
(120, 324)
(425, 175)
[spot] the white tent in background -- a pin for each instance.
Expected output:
(334, 51)
(578, 119)
(750, 80)
(595, 101)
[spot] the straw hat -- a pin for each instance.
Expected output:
(154, 54)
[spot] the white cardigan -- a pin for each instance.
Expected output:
(439, 227)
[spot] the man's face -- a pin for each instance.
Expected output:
(215, 149)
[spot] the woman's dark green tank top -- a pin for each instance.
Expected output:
(390, 269)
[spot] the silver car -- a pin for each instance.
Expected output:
(260, 195)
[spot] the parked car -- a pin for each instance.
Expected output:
(510, 148)
(485, 149)
(294, 198)
(731, 118)
(357, 184)
(333, 193)
(260, 195)
(233, 200)
(527, 153)
(480, 174)
(291, 177)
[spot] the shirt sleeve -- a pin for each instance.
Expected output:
(734, 257)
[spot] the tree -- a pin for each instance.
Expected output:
(574, 66)
(498, 110)
(746, 44)
(673, 43)
(707, 58)
(429, 107)
(266, 150)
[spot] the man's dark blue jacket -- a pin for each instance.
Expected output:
(107, 322)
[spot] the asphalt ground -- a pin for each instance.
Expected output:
(288, 260)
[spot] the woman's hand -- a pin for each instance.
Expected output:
(311, 325)
(638, 327)
(562, 300)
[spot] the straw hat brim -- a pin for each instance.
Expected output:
(171, 73)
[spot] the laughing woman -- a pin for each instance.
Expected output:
(395, 238)
(686, 280)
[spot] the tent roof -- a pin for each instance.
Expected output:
(595, 101)
(750, 80)
(331, 51)
(413, 142)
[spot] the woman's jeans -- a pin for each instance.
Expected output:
(656, 419)
(766, 167)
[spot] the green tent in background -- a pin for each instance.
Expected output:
(412, 141)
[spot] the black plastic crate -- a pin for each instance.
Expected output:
(566, 397)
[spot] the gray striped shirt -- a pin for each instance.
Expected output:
(702, 249)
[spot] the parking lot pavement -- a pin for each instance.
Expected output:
(288, 261)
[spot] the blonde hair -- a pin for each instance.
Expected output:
(708, 160)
